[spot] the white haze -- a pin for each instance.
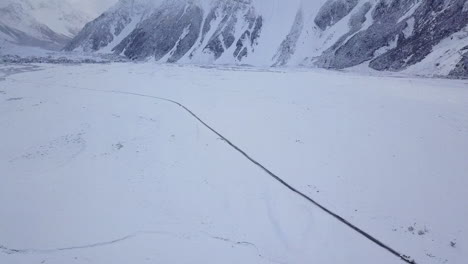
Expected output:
(93, 7)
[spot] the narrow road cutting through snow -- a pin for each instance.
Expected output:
(403, 257)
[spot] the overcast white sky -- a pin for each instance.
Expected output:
(93, 7)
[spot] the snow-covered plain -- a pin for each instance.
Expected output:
(95, 169)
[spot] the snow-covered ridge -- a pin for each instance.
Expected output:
(47, 24)
(387, 35)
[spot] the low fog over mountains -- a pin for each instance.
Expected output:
(48, 24)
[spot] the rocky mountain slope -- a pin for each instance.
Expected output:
(429, 36)
(47, 24)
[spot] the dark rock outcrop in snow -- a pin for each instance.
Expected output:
(173, 26)
(231, 14)
(288, 46)
(364, 44)
(461, 69)
(431, 22)
(103, 30)
(434, 21)
(248, 38)
(99, 33)
(333, 11)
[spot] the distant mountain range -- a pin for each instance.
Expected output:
(48, 24)
(416, 36)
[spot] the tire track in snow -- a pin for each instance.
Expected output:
(246, 244)
(341, 219)
(11, 251)
(243, 243)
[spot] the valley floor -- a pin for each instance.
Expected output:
(96, 166)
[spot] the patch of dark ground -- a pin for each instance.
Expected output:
(101, 59)
(16, 69)
(14, 99)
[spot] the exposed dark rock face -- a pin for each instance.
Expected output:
(232, 13)
(288, 46)
(363, 45)
(385, 34)
(172, 26)
(249, 37)
(355, 24)
(223, 37)
(100, 32)
(333, 11)
(461, 69)
(175, 29)
(358, 19)
(435, 20)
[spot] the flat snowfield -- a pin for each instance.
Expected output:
(97, 166)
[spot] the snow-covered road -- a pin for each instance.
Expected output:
(118, 177)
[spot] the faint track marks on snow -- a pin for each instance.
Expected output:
(245, 244)
(11, 70)
(57, 153)
(14, 251)
(11, 251)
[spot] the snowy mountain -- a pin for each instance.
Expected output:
(414, 35)
(47, 24)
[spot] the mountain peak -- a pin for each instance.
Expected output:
(44, 23)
